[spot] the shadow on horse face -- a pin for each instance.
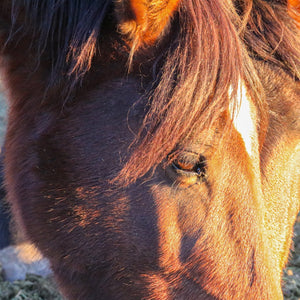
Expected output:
(178, 185)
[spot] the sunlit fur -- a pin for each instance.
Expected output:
(294, 10)
(124, 161)
(144, 21)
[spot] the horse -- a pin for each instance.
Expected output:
(152, 148)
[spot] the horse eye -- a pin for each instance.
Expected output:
(198, 168)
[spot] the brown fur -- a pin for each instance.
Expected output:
(211, 220)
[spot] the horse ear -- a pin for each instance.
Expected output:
(294, 10)
(144, 21)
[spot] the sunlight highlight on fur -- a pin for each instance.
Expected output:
(244, 119)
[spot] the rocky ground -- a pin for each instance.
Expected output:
(291, 278)
(3, 110)
(25, 275)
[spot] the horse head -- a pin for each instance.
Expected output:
(152, 149)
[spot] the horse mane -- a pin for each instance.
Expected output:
(64, 31)
(210, 50)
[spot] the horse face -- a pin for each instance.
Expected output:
(212, 219)
(185, 231)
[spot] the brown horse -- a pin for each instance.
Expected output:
(152, 149)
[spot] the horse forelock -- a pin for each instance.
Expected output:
(216, 44)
